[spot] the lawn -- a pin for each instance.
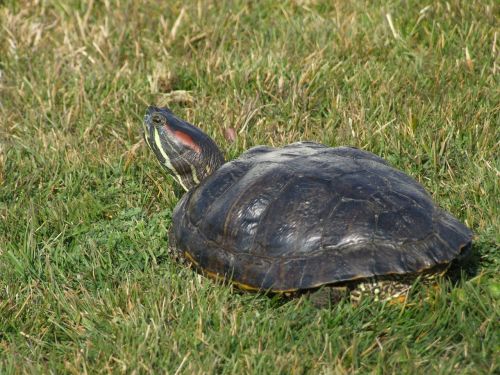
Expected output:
(86, 284)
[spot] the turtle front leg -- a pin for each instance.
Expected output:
(172, 249)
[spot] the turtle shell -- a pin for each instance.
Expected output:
(305, 215)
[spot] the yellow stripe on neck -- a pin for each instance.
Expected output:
(195, 176)
(168, 164)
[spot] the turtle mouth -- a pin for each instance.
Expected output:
(147, 117)
(148, 126)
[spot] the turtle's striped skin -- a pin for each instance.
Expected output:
(297, 218)
(183, 149)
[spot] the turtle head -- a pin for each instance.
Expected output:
(182, 149)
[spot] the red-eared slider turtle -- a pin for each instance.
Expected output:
(301, 217)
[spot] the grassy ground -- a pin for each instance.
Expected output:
(85, 282)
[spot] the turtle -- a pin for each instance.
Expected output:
(305, 218)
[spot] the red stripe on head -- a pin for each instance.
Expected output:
(186, 140)
(183, 138)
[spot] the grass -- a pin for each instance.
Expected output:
(86, 285)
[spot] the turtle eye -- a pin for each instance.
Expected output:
(157, 119)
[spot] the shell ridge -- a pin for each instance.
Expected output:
(229, 216)
(355, 240)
